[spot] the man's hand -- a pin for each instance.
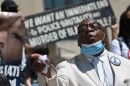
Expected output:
(41, 65)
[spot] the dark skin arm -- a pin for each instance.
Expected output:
(114, 29)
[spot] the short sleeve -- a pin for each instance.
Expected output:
(115, 47)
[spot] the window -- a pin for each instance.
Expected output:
(51, 4)
(48, 4)
(59, 3)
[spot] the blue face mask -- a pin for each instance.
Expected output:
(92, 49)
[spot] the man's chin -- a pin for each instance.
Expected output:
(91, 41)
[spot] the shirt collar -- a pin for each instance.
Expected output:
(101, 57)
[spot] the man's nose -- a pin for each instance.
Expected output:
(89, 28)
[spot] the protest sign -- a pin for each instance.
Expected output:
(58, 24)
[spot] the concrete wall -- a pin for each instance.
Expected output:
(119, 6)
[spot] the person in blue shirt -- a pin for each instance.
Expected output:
(121, 42)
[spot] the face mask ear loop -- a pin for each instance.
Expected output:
(103, 39)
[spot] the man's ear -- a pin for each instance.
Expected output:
(105, 42)
(104, 39)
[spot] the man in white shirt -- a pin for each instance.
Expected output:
(94, 66)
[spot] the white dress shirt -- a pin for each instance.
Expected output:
(103, 69)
